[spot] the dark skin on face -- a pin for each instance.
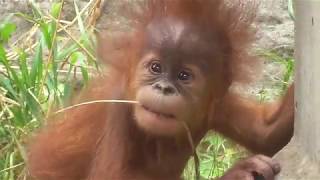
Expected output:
(173, 82)
(178, 65)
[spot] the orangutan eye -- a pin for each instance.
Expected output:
(155, 67)
(185, 75)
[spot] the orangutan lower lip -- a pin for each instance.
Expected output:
(158, 113)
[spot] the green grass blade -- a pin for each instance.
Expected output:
(24, 67)
(56, 9)
(6, 30)
(36, 71)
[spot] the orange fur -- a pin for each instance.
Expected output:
(101, 141)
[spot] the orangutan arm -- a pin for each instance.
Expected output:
(262, 128)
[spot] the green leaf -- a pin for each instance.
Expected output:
(3, 54)
(66, 51)
(36, 71)
(85, 74)
(24, 67)
(47, 36)
(20, 116)
(11, 72)
(34, 105)
(67, 92)
(6, 83)
(55, 10)
(6, 31)
(77, 58)
(35, 9)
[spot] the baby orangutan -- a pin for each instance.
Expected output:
(178, 65)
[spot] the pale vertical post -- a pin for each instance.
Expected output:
(307, 92)
(301, 158)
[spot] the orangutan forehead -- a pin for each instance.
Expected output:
(173, 35)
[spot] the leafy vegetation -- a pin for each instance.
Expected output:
(40, 69)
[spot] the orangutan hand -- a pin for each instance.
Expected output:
(258, 167)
